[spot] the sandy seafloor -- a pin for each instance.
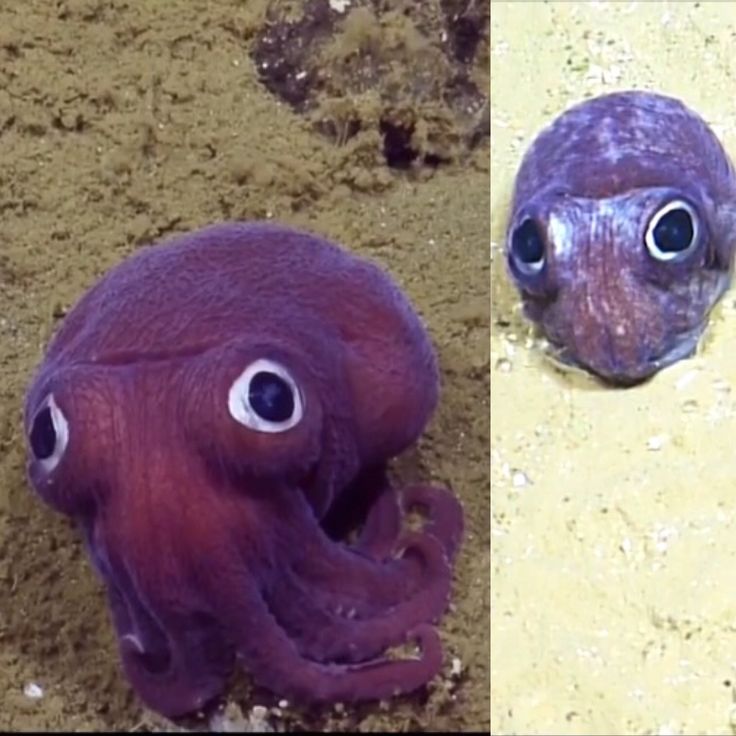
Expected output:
(122, 122)
(613, 511)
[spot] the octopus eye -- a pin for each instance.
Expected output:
(527, 247)
(266, 398)
(49, 435)
(672, 232)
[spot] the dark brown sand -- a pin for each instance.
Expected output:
(122, 122)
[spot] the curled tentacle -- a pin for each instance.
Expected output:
(347, 578)
(325, 631)
(343, 575)
(176, 661)
(443, 512)
(189, 673)
(380, 532)
(275, 662)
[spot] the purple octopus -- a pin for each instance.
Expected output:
(217, 413)
(622, 233)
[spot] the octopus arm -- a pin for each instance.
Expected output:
(274, 660)
(324, 630)
(177, 661)
(442, 512)
(380, 532)
(344, 577)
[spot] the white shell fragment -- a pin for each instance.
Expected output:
(33, 691)
(456, 667)
(656, 443)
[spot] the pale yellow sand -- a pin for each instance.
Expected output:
(613, 511)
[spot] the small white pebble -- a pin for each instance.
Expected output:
(662, 537)
(456, 668)
(656, 443)
(503, 365)
(259, 711)
(519, 479)
(283, 703)
(33, 691)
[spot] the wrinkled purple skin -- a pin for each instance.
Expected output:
(592, 181)
(216, 541)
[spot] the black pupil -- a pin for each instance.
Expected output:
(271, 397)
(527, 244)
(674, 231)
(43, 435)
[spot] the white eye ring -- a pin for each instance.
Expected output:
(61, 435)
(654, 250)
(239, 398)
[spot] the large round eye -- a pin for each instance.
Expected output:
(265, 398)
(527, 247)
(672, 232)
(49, 435)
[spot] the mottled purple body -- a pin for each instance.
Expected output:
(217, 414)
(615, 290)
